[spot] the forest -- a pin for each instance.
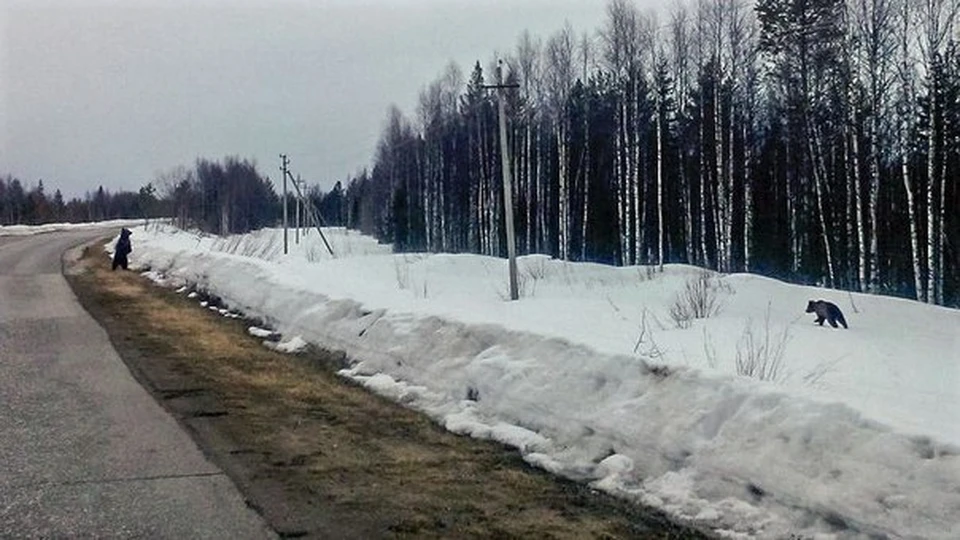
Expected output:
(810, 140)
(229, 196)
(21, 204)
(816, 141)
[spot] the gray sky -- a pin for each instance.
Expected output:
(110, 93)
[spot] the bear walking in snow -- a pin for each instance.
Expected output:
(122, 249)
(826, 311)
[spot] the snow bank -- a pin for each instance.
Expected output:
(24, 230)
(858, 436)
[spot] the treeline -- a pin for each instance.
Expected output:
(813, 140)
(232, 197)
(32, 205)
(220, 197)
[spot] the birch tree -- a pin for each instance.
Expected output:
(560, 75)
(661, 90)
(528, 64)
(585, 51)
(803, 37)
(621, 58)
(680, 51)
(937, 25)
(877, 44)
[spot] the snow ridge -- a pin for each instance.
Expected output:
(743, 458)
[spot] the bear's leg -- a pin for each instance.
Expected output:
(819, 320)
(832, 321)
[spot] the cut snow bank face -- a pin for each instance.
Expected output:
(855, 436)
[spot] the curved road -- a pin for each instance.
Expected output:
(84, 450)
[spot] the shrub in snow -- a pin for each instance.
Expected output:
(534, 267)
(699, 299)
(503, 291)
(760, 352)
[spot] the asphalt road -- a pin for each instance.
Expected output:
(84, 450)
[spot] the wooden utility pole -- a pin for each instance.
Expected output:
(283, 167)
(501, 89)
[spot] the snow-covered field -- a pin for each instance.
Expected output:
(857, 433)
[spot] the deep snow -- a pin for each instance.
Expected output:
(590, 377)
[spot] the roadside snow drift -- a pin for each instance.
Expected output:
(599, 374)
(24, 230)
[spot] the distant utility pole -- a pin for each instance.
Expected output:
(310, 211)
(299, 184)
(501, 89)
(304, 201)
(283, 167)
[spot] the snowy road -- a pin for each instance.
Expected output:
(84, 450)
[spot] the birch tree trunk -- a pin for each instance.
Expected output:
(858, 191)
(528, 185)
(620, 181)
(634, 200)
(911, 212)
(932, 232)
(720, 224)
(874, 220)
(585, 210)
(747, 200)
(629, 180)
(680, 52)
(793, 236)
(938, 27)
(704, 178)
(563, 213)
(816, 151)
(660, 232)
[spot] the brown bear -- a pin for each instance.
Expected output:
(826, 311)
(122, 249)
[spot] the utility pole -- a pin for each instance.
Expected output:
(283, 167)
(299, 202)
(310, 211)
(304, 201)
(501, 89)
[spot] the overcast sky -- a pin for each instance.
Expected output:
(113, 92)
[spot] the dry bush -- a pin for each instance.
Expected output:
(700, 299)
(760, 353)
(523, 291)
(536, 268)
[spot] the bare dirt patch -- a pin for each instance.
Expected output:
(320, 457)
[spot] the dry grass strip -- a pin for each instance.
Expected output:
(320, 457)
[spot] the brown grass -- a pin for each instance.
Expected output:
(321, 457)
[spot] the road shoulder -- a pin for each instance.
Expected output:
(318, 456)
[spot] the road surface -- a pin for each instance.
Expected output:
(84, 450)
